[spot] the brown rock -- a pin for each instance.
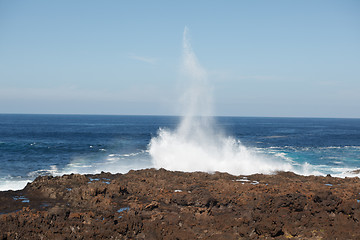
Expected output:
(159, 204)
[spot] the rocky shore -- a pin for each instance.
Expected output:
(160, 204)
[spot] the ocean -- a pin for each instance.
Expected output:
(34, 145)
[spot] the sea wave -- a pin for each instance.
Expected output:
(13, 184)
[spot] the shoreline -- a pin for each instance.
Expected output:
(161, 204)
(14, 185)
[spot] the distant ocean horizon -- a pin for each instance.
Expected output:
(54, 144)
(177, 116)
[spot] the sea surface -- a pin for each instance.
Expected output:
(33, 145)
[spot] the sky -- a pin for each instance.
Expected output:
(287, 58)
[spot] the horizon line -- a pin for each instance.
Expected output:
(171, 115)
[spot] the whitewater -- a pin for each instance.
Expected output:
(197, 144)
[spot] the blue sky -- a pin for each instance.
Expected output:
(264, 58)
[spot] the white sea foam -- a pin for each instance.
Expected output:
(206, 152)
(346, 173)
(52, 171)
(196, 145)
(113, 163)
(12, 184)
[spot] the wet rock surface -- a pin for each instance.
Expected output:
(160, 204)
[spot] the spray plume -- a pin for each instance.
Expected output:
(196, 145)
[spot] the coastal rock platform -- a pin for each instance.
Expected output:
(161, 204)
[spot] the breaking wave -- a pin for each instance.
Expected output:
(196, 144)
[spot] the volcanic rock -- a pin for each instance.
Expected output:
(160, 204)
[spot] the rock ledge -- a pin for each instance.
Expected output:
(160, 204)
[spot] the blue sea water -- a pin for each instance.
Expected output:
(33, 145)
